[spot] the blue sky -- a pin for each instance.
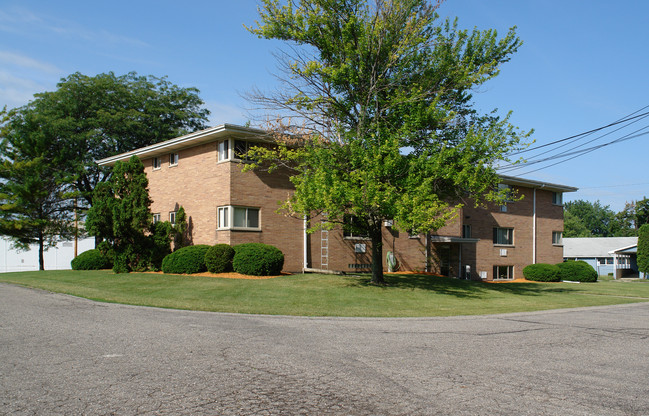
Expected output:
(583, 65)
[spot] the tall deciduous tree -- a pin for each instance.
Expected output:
(599, 220)
(35, 202)
(384, 92)
(95, 117)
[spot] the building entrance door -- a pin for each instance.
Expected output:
(444, 253)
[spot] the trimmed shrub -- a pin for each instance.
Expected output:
(186, 260)
(90, 260)
(257, 259)
(218, 258)
(579, 271)
(542, 272)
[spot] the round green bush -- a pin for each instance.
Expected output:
(257, 259)
(218, 258)
(90, 260)
(186, 260)
(542, 272)
(578, 271)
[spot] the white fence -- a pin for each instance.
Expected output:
(56, 258)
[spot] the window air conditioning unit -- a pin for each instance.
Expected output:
(503, 252)
(388, 223)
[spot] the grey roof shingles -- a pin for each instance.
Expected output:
(595, 246)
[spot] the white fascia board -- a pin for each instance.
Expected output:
(622, 249)
(188, 140)
(513, 180)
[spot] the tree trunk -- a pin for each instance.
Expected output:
(41, 256)
(377, 256)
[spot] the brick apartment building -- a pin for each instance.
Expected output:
(201, 172)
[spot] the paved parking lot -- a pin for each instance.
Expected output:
(61, 355)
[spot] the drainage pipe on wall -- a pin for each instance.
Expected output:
(305, 248)
(534, 228)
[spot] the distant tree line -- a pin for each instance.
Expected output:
(592, 219)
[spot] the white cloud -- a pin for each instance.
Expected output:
(20, 20)
(224, 113)
(15, 59)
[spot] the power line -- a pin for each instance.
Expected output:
(592, 149)
(571, 151)
(622, 120)
(578, 149)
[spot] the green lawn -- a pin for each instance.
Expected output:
(331, 295)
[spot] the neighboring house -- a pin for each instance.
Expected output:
(202, 173)
(614, 256)
(56, 258)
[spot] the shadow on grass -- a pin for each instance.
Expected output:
(456, 287)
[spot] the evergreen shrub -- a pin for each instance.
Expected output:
(257, 259)
(579, 271)
(542, 272)
(218, 258)
(91, 260)
(186, 260)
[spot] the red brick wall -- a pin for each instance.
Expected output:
(200, 184)
(519, 216)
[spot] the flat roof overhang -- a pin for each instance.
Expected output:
(203, 136)
(529, 183)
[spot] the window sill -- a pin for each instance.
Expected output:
(357, 238)
(252, 230)
(173, 166)
(504, 245)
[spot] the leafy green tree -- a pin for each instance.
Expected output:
(91, 118)
(35, 203)
(122, 215)
(180, 229)
(643, 249)
(382, 95)
(642, 212)
(573, 226)
(627, 221)
(598, 219)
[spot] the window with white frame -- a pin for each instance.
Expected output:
(156, 218)
(233, 217)
(466, 231)
(503, 236)
(557, 198)
(157, 163)
(557, 238)
(503, 272)
(224, 150)
(172, 217)
(173, 159)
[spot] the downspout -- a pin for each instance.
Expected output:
(305, 248)
(534, 228)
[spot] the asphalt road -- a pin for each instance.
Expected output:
(61, 355)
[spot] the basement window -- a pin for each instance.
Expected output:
(503, 272)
